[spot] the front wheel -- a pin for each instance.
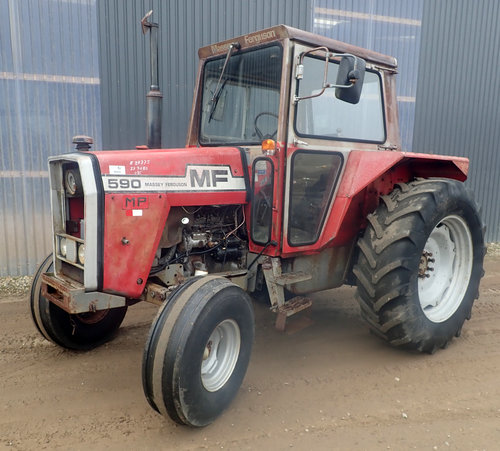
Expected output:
(79, 331)
(198, 350)
(420, 263)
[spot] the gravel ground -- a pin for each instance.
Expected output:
(15, 286)
(326, 383)
(20, 285)
(493, 248)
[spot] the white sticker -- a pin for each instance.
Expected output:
(197, 178)
(134, 213)
(116, 170)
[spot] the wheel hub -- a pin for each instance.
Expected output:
(220, 355)
(444, 269)
(423, 267)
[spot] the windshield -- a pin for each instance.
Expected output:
(247, 101)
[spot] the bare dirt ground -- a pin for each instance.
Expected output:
(331, 385)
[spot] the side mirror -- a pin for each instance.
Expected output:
(350, 78)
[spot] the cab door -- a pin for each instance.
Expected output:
(313, 166)
(323, 129)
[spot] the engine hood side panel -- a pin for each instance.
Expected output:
(141, 187)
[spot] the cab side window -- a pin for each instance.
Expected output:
(330, 118)
(262, 200)
(314, 176)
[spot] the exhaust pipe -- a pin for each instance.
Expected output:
(154, 96)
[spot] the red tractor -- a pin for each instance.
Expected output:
(292, 181)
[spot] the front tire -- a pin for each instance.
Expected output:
(77, 332)
(198, 351)
(420, 263)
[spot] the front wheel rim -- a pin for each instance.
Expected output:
(445, 268)
(92, 317)
(220, 355)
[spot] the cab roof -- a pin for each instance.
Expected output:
(281, 32)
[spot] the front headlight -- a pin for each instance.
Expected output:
(72, 182)
(81, 254)
(63, 247)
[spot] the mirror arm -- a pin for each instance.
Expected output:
(330, 85)
(300, 72)
(316, 49)
(296, 99)
(328, 55)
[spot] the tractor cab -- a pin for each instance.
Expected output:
(297, 103)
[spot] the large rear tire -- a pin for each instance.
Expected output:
(78, 332)
(198, 350)
(420, 263)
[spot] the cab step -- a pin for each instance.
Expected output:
(289, 308)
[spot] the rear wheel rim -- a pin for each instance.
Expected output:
(220, 355)
(445, 268)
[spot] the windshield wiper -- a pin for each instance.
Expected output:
(218, 88)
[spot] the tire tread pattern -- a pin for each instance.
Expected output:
(164, 354)
(66, 330)
(391, 246)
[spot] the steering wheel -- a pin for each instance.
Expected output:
(257, 129)
(263, 207)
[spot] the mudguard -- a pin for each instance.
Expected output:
(367, 176)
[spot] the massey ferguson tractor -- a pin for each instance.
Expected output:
(292, 181)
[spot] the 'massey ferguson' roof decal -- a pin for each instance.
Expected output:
(198, 178)
(249, 39)
(281, 32)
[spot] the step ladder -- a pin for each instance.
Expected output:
(289, 308)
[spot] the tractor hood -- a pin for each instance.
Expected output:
(185, 170)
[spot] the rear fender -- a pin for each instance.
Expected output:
(369, 175)
(365, 167)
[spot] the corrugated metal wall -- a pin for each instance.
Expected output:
(458, 93)
(51, 88)
(49, 91)
(392, 27)
(185, 25)
(388, 26)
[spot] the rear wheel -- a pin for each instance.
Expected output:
(420, 263)
(80, 331)
(198, 350)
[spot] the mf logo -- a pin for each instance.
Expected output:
(208, 178)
